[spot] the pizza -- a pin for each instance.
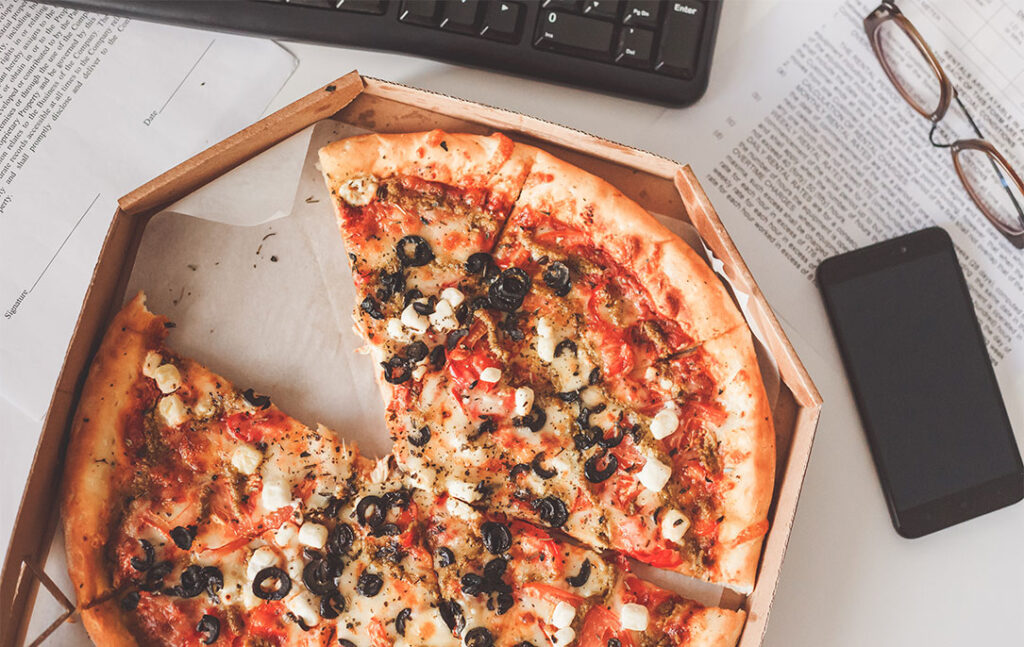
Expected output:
(595, 378)
(198, 513)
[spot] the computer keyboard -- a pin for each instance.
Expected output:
(645, 49)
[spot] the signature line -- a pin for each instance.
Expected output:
(191, 69)
(54, 257)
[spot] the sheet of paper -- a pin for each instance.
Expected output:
(93, 106)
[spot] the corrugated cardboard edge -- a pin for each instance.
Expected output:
(34, 528)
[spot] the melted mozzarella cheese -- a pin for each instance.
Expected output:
(634, 617)
(167, 378)
(172, 410)
(674, 525)
(246, 459)
(358, 191)
(654, 474)
(665, 423)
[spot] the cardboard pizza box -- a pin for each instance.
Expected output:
(658, 184)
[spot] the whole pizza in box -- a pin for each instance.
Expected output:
(566, 383)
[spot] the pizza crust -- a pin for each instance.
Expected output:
(105, 623)
(96, 454)
(747, 451)
(713, 627)
(681, 284)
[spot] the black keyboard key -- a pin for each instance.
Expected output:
(574, 34)
(460, 16)
(360, 6)
(602, 9)
(642, 13)
(680, 38)
(635, 47)
(501, 21)
(563, 5)
(419, 12)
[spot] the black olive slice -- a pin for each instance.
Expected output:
(494, 569)
(144, 563)
(390, 552)
(340, 539)
(496, 537)
(284, 584)
(552, 511)
(454, 337)
(612, 441)
(214, 580)
(451, 613)
(192, 583)
(614, 642)
(596, 474)
(420, 438)
(525, 643)
(421, 253)
(155, 575)
(130, 601)
(371, 511)
(416, 351)
(534, 421)
(509, 290)
(568, 396)
(579, 579)
(586, 439)
(595, 376)
(539, 469)
(425, 308)
(445, 557)
(331, 605)
(386, 530)
(519, 468)
(391, 283)
(478, 637)
(345, 642)
(183, 537)
(397, 370)
(504, 602)
(402, 618)
(370, 307)
(478, 262)
(565, 344)
(472, 584)
(437, 357)
(510, 326)
(210, 626)
(397, 499)
(556, 276)
(318, 576)
(369, 584)
(256, 399)
(410, 296)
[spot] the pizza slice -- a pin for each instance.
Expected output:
(198, 513)
(510, 583)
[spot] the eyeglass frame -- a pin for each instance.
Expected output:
(889, 12)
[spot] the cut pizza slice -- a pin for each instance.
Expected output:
(510, 583)
(196, 513)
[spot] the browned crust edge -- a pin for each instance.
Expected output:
(106, 625)
(96, 451)
(713, 627)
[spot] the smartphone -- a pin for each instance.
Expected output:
(925, 389)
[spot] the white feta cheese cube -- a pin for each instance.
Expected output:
(443, 318)
(313, 535)
(546, 349)
(462, 490)
(303, 605)
(415, 321)
(544, 328)
(396, 330)
(262, 557)
(284, 535)
(453, 296)
(246, 459)
(419, 372)
(167, 378)
(674, 525)
(665, 423)
(172, 410)
(650, 374)
(151, 363)
(490, 374)
(665, 383)
(358, 191)
(275, 495)
(634, 616)
(654, 474)
(564, 636)
(563, 615)
(459, 509)
(524, 400)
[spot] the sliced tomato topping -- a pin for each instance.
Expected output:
(551, 593)
(601, 625)
(254, 427)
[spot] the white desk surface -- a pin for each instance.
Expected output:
(848, 578)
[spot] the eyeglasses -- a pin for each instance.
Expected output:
(994, 186)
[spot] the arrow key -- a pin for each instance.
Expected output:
(501, 22)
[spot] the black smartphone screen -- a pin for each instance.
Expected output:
(924, 385)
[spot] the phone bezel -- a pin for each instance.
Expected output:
(960, 506)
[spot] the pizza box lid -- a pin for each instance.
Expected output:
(658, 184)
